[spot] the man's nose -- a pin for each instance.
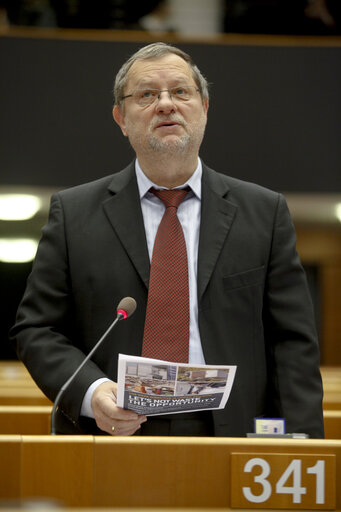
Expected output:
(165, 102)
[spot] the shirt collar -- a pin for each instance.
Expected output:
(144, 183)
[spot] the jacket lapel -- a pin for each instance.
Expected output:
(123, 210)
(217, 215)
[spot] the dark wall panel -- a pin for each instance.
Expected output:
(274, 116)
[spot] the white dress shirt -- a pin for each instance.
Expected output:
(189, 216)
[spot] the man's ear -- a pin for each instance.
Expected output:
(119, 118)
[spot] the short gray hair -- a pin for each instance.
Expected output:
(155, 51)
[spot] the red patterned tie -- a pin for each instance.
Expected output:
(166, 332)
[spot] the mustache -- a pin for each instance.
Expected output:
(168, 119)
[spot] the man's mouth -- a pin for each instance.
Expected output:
(167, 123)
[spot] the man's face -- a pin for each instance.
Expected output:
(165, 126)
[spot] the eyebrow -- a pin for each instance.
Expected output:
(149, 82)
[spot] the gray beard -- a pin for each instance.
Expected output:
(152, 145)
(180, 145)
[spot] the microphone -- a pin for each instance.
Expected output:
(125, 308)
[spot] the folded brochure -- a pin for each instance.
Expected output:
(153, 387)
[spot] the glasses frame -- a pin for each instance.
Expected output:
(157, 97)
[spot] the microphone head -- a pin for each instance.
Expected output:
(126, 307)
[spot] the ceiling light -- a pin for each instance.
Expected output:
(338, 211)
(17, 250)
(18, 206)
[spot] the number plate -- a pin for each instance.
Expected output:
(290, 481)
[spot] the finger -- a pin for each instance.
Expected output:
(125, 422)
(103, 402)
(125, 414)
(111, 411)
(125, 428)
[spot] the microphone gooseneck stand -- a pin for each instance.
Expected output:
(125, 308)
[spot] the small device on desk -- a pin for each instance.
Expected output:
(273, 428)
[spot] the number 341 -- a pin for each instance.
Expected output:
(295, 470)
(265, 479)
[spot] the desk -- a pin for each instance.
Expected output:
(87, 471)
(25, 419)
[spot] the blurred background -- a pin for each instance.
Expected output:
(274, 118)
(180, 16)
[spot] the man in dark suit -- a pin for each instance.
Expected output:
(249, 303)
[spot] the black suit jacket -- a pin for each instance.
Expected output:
(254, 306)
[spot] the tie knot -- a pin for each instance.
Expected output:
(171, 197)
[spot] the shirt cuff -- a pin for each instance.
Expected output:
(86, 409)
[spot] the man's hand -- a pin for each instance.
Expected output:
(110, 418)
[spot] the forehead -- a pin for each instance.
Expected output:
(169, 67)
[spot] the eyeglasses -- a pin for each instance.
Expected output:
(179, 93)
